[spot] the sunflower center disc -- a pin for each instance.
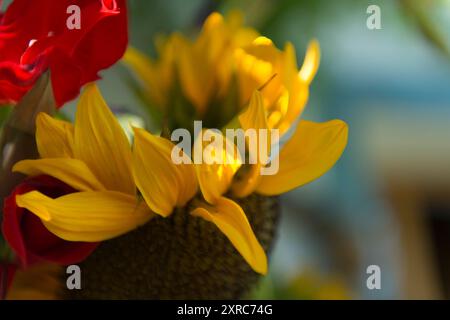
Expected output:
(179, 257)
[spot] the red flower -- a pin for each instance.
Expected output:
(34, 37)
(27, 235)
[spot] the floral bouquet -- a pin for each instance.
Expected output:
(94, 208)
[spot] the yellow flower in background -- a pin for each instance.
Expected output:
(219, 71)
(202, 67)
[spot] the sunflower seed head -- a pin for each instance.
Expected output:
(179, 257)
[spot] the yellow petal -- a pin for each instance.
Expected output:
(54, 137)
(292, 103)
(244, 184)
(312, 151)
(214, 20)
(101, 143)
(145, 70)
(253, 118)
(87, 216)
(255, 115)
(215, 178)
(290, 65)
(164, 77)
(163, 183)
(195, 77)
(293, 100)
(73, 172)
(311, 62)
(259, 66)
(214, 40)
(229, 217)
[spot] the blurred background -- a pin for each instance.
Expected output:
(387, 201)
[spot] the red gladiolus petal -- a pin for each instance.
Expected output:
(66, 76)
(29, 238)
(31, 32)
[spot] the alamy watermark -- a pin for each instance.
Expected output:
(374, 279)
(211, 146)
(373, 21)
(73, 22)
(73, 281)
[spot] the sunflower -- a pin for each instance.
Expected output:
(93, 157)
(136, 198)
(231, 77)
(213, 77)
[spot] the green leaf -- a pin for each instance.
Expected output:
(4, 113)
(6, 254)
